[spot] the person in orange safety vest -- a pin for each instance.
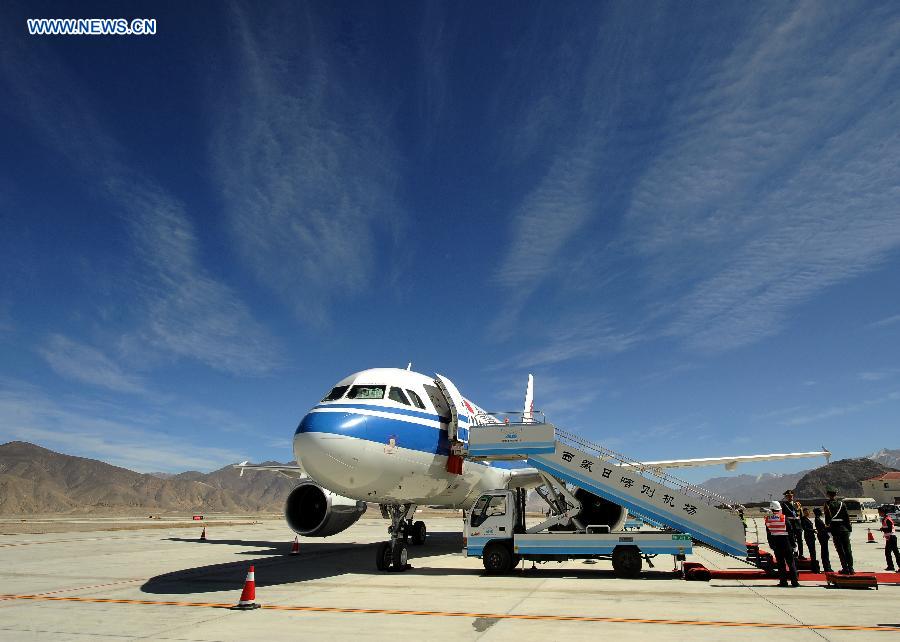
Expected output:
(781, 540)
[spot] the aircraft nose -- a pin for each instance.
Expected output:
(340, 423)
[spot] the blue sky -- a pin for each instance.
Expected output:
(683, 218)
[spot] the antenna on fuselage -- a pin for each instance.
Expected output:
(409, 366)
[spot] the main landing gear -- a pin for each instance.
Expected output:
(393, 555)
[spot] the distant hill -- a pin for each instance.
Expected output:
(37, 480)
(753, 488)
(845, 475)
(887, 457)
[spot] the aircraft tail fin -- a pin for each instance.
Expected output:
(528, 411)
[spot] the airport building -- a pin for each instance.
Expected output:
(884, 489)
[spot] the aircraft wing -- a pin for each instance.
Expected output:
(731, 462)
(530, 477)
(294, 472)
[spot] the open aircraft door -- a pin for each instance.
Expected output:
(460, 420)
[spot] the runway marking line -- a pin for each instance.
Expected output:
(498, 616)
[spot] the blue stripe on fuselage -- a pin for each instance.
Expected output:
(392, 409)
(377, 429)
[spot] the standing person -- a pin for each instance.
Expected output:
(791, 511)
(890, 540)
(781, 540)
(838, 521)
(822, 534)
(809, 534)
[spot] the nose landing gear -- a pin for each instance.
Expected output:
(394, 555)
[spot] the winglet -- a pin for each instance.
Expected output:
(241, 465)
(528, 410)
(827, 455)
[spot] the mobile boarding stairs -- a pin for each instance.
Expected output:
(643, 490)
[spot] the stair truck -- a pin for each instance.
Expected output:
(495, 531)
(495, 527)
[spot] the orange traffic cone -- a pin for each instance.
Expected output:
(203, 535)
(295, 547)
(248, 595)
(871, 539)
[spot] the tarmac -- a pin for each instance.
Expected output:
(163, 583)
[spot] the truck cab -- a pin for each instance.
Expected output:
(489, 529)
(495, 514)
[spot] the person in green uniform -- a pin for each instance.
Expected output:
(838, 521)
(791, 511)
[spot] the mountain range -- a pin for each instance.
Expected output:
(35, 480)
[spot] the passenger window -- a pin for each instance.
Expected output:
(336, 393)
(418, 401)
(397, 395)
(437, 398)
(366, 392)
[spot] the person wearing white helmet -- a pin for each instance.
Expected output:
(781, 539)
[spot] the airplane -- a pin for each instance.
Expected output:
(389, 436)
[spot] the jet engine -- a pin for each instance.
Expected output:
(596, 511)
(312, 511)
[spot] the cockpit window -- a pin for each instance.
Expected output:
(366, 392)
(397, 395)
(416, 399)
(336, 393)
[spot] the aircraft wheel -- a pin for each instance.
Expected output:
(419, 533)
(626, 561)
(399, 556)
(496, 558)
(383, 556)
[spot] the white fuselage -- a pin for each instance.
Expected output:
(382, 450)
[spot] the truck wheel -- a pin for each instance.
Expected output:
(419, 532)
(626, 561)
(383, 556)
(496, 558)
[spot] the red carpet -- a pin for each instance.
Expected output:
(755, 574)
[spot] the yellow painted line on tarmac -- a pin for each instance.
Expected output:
(92, 586)
(497, 616)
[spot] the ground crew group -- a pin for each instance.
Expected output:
(789, 526)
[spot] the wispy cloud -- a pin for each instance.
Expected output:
(777, 413)
(666, 373)
(305, 165)
(883, 323)
(585, 337)
(839, 411)
(181, 308)
(100, 431)
(577, 125)
(83, 363)
(878, 375)
(189, 313)
(772, 180)
(781, 163)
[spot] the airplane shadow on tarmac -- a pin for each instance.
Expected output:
(318, 560)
